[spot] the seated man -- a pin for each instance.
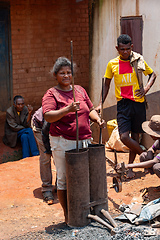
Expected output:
(17, 127)
(149, 160)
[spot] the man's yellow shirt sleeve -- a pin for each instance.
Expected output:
(108, 73)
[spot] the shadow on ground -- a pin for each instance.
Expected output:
(38, 194)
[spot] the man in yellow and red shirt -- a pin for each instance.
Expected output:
(131, 110)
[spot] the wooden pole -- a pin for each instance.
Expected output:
(77, 129)
(101, 114)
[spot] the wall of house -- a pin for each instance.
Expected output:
(41, 31)
(106, 29)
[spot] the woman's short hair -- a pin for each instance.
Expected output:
(60, 62)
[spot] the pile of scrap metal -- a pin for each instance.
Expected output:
(138, 213)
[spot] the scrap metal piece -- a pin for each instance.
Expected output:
(115, 156)
(110, 162)
(121, 171)
(136, 208)
(156, 224)
(117, 184)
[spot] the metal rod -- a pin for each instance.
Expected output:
(115, 156)
(101, 114)
(95, 203)
(77, 129)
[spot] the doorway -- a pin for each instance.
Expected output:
(133, 26)
(5, 58)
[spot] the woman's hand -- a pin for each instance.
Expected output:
(101, 123)
(95, 118)
(98, 108)
(55, 115)
(74, 106)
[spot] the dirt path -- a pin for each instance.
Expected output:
(21, 205)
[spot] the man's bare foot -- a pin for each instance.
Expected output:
(130, 174)
(66, 216)
(66, 220)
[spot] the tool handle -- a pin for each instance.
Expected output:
(112, 163)
(109, 217)
(98, 219)
(77, 129)
(115, 156)
(101, 114)
(72, 71)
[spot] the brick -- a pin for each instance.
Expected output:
(40, 35)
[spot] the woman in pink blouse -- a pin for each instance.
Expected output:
(60, 109)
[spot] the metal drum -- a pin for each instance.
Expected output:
(77, 177)
(98, 180)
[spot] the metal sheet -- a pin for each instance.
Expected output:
(97, 175)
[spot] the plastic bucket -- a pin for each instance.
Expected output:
(111, 124)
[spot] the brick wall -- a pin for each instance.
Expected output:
(41, 31)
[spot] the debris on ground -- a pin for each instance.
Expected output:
(94, 231)
(138, 213)
(24, 214)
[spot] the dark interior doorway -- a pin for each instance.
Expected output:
(5, 58)
(133, 26)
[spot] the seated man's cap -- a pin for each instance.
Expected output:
(152, 127)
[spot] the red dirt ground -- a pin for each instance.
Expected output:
(21, 205)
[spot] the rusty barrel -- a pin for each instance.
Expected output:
(98, 180)
(77, 177)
